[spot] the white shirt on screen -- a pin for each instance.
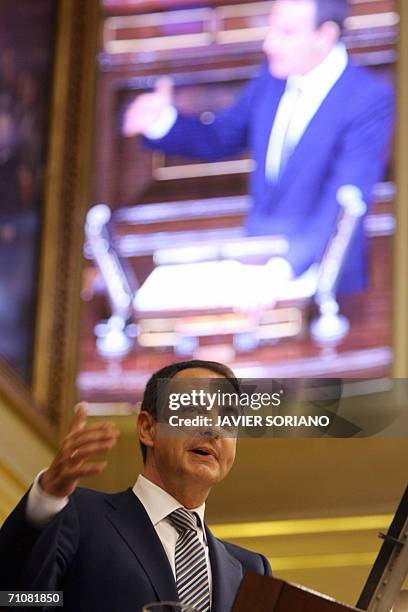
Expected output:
(42, 507)
(302, 99)
(163, 124)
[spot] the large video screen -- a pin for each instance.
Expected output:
(243, 193)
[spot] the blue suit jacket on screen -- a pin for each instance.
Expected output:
(103, 552)
(346, 142)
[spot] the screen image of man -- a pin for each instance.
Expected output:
(313, 122)
(120, 551)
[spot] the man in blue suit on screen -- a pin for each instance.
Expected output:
(313, 122)
(118, 552)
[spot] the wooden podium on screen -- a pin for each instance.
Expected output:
(273, 595)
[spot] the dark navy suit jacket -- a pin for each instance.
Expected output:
(103, 552)
(346, 142)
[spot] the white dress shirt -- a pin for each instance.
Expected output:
(163, 124)
(42, 507)
(158, 505)
(302, 98)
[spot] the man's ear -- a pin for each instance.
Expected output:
(329, 34)
(146, 428)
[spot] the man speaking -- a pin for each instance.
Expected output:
(118, 552)
(313, 122)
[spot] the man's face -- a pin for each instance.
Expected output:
(196, 453)
(293, 43)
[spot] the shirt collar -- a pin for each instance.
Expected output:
(159, 504)
(325, 75)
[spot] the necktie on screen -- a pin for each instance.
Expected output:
(280, 145)
(190, 561)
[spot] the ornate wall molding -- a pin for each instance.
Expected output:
(67, 198)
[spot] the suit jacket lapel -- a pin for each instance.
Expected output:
(325, 116)
(130, 519)
(273, 96)
(226, 575)
(132, 522)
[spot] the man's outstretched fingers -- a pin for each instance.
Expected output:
(79, 420)
(89, 469)
(90, 435)
(80, 444)
(92, 448)
(165, 87)
(106, 427)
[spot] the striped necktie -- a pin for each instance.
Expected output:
(190, 561)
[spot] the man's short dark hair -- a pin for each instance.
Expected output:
(331, 10)
(150, 396)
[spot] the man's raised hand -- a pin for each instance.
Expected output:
(147, 108)
(83, 442)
